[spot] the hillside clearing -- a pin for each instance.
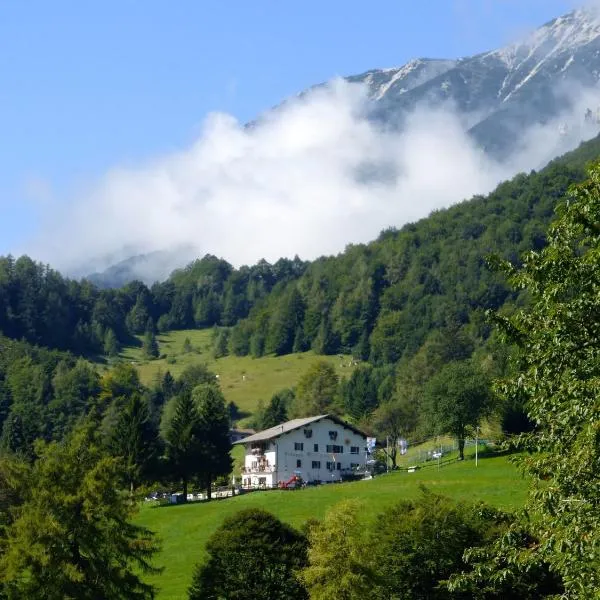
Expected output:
(244, 380)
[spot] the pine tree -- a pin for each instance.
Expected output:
(150, 345)
(138, 317)
(361, 393)
(182, 439)
(72, 535)
(215, 442)
(276, 411)
(299, 340)
(111, 344)
(135, 440)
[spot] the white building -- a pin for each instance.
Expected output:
(317, 449)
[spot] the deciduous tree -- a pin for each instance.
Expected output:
(558, 373)
(456, 399)
(338, 554)
(252, 556)
(316, 391)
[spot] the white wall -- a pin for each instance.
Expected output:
(282, 452)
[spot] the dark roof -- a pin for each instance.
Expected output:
(273, 432)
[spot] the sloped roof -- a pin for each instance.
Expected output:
(273, 432)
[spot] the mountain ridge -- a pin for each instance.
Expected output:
(505, 89)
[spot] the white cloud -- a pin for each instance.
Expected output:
(299, 182)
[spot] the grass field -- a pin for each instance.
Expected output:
(244, 380)
(184, 529)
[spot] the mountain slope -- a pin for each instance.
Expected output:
(384, 300)
(150, 267)
(501, 92)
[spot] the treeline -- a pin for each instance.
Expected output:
(381, 301)
(41, 306)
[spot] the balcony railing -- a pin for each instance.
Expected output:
(259, 469)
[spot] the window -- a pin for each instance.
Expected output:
(335, 449)
(339, 466)
(316, 464)
(316, 447)
(331, 466)
(298, 446)
(308, 433)
(333, 435)
(354, 449)
(298, 463)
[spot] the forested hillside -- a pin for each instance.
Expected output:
(41, 306)
(380, 301)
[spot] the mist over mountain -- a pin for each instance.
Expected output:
(149, 268)
(342, 160)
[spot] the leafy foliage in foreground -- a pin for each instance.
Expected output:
(253, 555)
(409, 551)
(558, 375)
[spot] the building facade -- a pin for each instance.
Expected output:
(315, 449)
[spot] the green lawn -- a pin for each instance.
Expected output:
(184, 529)
(244, 380)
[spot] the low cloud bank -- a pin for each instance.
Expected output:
(307, 179)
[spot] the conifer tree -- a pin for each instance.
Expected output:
(72, 535)
(135, 440)
(150, 345)
(182, 434)
(111, 344)
(215, 443)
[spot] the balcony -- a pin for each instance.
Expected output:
(258, 449)
(260, 468)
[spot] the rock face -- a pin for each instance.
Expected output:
(503, 91)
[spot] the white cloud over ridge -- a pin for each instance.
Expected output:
(308, 179)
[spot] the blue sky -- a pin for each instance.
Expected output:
(86, 86)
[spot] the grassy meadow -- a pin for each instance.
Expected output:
(244, 380)
(184, 529)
